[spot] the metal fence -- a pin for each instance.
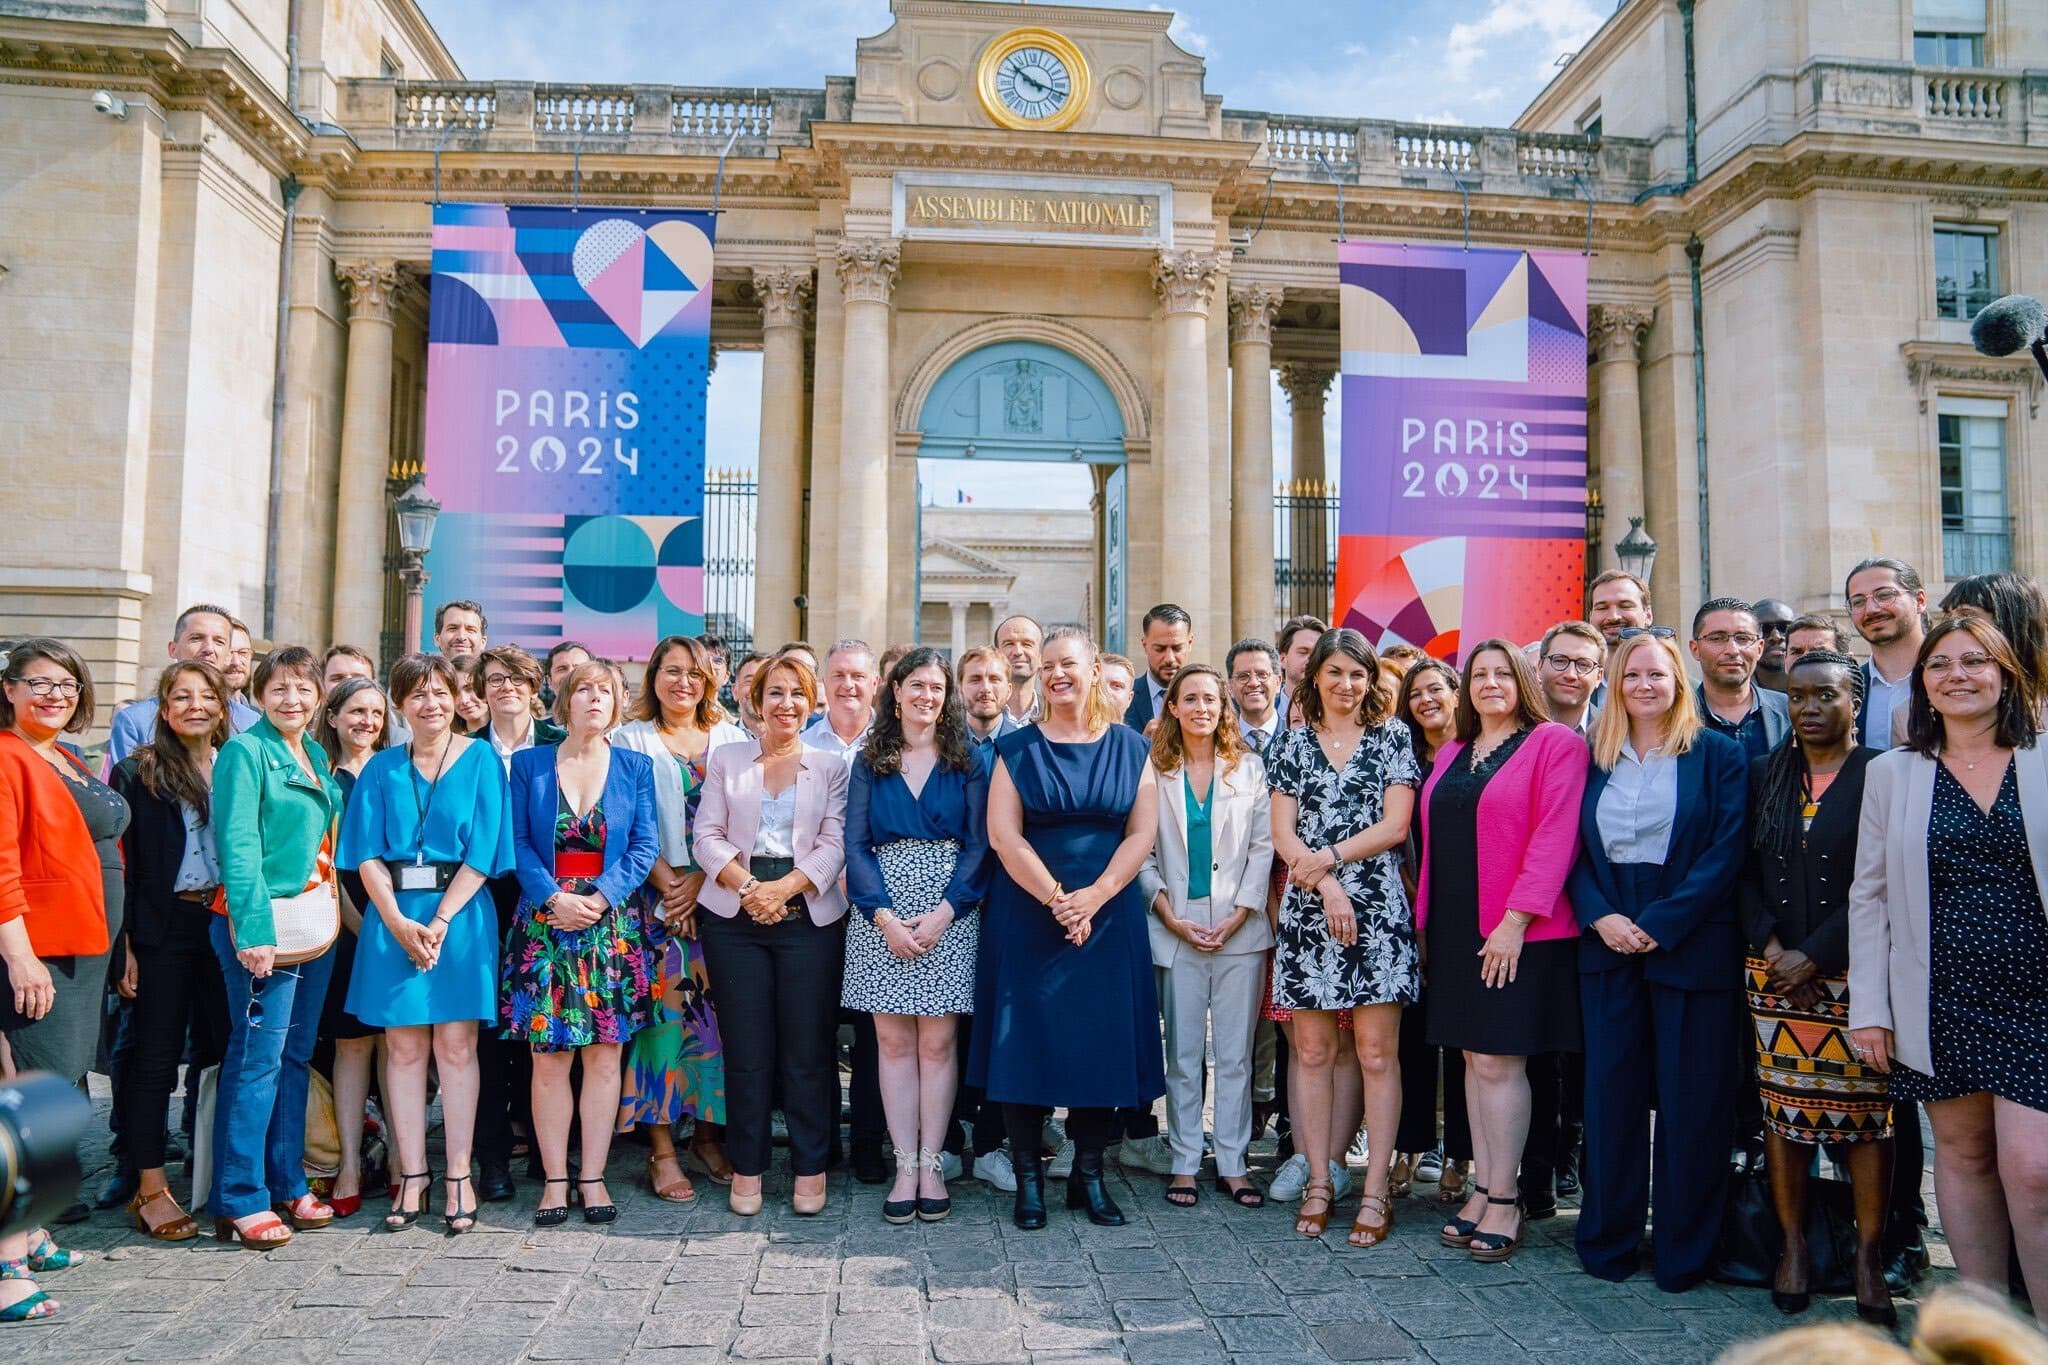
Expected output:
(1305, 548)
(1974, 545)
(730, 497)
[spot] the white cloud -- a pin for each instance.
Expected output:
(1183, 32)
(1560, 25)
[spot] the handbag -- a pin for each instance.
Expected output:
(1751, 1240)
(306, 925)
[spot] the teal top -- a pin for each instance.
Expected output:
(270, 817)
(1199, 856)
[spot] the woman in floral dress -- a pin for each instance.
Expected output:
(1343, 791)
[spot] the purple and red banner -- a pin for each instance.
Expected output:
(567, 366)
(1463, 514)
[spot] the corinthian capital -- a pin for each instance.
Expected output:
(1185, 280)
(867, 268)
(784, 295)
(1252, 310)
(373, 287)
(1616, 331)
(1306, 385)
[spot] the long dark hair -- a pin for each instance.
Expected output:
(1346, 641)
(647, 706)
(1169, 749)
(164, 764)
(1529, 712)
(1773, 829)
(331, 706)
(1403, 699)
(882, 754)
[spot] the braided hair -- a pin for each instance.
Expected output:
(1785, 770)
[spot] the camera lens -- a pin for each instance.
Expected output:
(42, 1118)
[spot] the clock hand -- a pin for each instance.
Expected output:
(1041, 86)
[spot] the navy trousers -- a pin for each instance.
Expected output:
(1648, 1043)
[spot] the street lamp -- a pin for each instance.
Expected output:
(417, 512)
(1636, 551)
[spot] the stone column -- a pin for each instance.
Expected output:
(1184, 281)
(867, 277)
(1617, 336)
(360, 515)
(959, 623)
(1252, 309)
(779, 512)
(1307, 388)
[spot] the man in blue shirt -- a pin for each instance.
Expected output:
(984, 682)
(205, 633)
(1728, 644)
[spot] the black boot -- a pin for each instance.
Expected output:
(1085, 1190)
(1030, 1172)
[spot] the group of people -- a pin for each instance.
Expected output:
(1501, 913)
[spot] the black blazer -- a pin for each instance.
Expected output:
(1693, 920)
(152, 847)
(1139, 714)
(1804, 898)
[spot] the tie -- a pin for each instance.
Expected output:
(1259, 738)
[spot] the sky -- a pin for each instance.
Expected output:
(1447, 61)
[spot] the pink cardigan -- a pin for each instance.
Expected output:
(1528, 832)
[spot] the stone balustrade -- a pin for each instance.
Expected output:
(1899, 99)
(1499, 160)
(513, 116)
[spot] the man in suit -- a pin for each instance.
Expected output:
(1169, 640)
(1253, 670)
(1727, 644)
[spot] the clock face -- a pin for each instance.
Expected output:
(1033, 83)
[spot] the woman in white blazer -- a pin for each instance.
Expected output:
(770, 837)
(1205, 882)
(1948, 942)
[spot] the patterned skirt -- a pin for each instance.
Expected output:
(942, 980)
(676, 1066)
(569, 988)
(1814, 1089)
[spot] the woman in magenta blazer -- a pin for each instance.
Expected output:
(770, 838)
(1500, 938)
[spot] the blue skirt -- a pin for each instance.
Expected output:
(386, 990)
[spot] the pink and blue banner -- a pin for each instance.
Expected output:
(567, 364)
(1463, 512)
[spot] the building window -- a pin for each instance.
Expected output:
(1965, 269)
(1948, 49)
(1948, 32)
(1976, 532)
(388, 66)
(1589, 123)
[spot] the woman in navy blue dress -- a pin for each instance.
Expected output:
(1066, 987)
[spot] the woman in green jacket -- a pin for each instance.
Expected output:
(275, 806)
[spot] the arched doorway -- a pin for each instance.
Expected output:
(1028, 400)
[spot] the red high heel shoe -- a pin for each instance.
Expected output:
(346, 1206)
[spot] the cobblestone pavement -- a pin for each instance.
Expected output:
(696, 1283)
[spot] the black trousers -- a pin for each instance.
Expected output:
(178, 987)
(971, 1103)
(1091, 1129)
(1557, 1116)
(1420, 1065)
(864, 1084)
(778, 1003)
(504, 1067)
(1907, 1212)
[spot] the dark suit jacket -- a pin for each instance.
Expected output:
(1693, 917)
(152, 848)
(1140, 713)
(1804, 898)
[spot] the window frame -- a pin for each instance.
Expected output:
(1991, 233)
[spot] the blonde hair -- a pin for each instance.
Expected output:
(1960, 1324)
(1682, 722)
(582, 673)
(1100, 712)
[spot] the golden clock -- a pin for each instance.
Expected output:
(1033, 80)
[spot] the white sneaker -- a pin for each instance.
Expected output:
(1152, 1154)
(1062, 1164)
(1429, 1167)
(994, 1170)
(1357, 1153)
(949, 1166)
(1290, 1180)
(1340, 1180)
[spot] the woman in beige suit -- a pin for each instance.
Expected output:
(1948, 942)
(1206, 883)
(770, 838)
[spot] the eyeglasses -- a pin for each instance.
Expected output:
(254, 1015)
(1253, 675)
(1654, 632)
(673, 674)
(1565, 663)
(1741, 639)
(48, 687)
(500, 682)
(1941, 665)
(1883, 597)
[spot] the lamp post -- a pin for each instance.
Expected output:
(417, 512)
(1637, 551)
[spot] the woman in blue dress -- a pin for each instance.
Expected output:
(428, 823)
(1067, 996)
(916, 851)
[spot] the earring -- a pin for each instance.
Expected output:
(899, 710)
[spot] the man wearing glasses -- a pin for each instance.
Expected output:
(1254, 668)
(1727, 643)
(1888, 607)
(1569, 666)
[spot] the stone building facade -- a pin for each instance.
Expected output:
(212, 341)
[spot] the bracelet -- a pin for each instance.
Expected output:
(748, 885)
(1057, 892)
(441, 920)
(880, 922)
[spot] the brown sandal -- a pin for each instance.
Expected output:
(1327, 1193)
(1371, 1234)
(1401, 1178)
(1450, 1187)
(677, 1191)
(175, 1229)
(718, 1172)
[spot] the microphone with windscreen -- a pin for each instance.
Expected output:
(2013, 323)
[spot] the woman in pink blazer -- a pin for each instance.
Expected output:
(1500, 939)
(770, 839)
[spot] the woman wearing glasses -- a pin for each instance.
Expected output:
(1948, 943)
(60, 905)
(275, 808)
(428, 824)
(1660, 963)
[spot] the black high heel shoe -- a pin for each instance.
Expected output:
(1029, 1213)
(551, 1218)
(463, 1219)
(1085, 1190)
(598, 1213)
(1790, 1302)
(399, 1219)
